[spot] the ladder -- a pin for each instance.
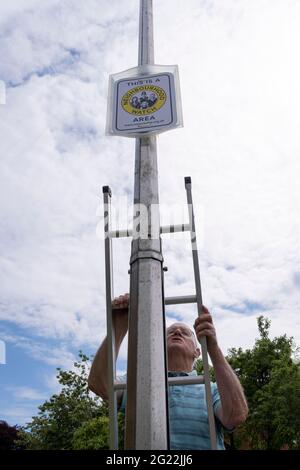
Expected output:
(113, 385)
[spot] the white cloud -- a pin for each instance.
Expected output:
(239, 80)
(27, 393)
(15, 7)
(54, 356)
(20, 414)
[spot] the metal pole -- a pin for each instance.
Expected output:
(111, 362)
(146, 411)
(203, 342)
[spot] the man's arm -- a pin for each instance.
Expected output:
(97, 380)
(234, 409)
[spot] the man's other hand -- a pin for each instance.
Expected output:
(120, 313)
(121, 302)
(204, 327)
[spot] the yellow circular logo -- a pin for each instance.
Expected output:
(143, 100)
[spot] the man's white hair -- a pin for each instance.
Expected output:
(187, 326)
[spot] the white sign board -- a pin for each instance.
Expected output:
(141, 102)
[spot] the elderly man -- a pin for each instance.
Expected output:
(189, 427)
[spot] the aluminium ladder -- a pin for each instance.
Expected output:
(114, 386)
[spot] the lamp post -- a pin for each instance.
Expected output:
(146, 411)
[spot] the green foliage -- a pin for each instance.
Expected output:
(75, 419)
(94, 434)
(198, 366)
(271, 380)
(65, 412)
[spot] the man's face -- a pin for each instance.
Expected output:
(181, 340)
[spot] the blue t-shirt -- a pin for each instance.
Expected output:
(189, 427)
(188, 418)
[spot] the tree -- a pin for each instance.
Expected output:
(76, 419)
(198, 366)
(94, 434)
(71, 416)
(9, 436)
(271, 380)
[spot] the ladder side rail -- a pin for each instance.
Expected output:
(203, 341)
(165, 356)
(111, 359)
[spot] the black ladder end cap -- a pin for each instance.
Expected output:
(106, 189)
(188, 180)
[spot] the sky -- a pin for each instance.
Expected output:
(239, 75)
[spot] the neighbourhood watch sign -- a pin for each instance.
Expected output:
(144, 100)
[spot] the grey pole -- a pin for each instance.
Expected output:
(146, 413)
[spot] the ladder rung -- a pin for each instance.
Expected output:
(188, 380)
(120, 233)
(185, 299)
(165, 229)
(175, 228)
